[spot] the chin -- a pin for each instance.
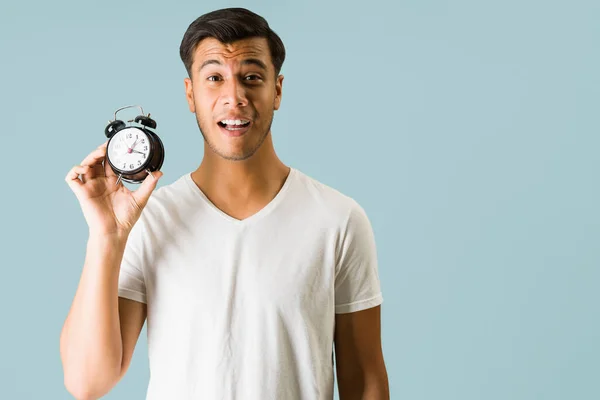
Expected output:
(230, 151)
(238, 146)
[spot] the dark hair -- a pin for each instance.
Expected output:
(228, 25)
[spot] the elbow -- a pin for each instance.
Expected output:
(77, 390)
(377, 390)
(90, 387)
(80, 394)
(88, 377)
(364, 387)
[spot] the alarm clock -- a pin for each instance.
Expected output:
(134, 150)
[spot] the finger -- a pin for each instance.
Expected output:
(72, 177)
(77, 170)
(95, 160)
(142, 194)
(95, 156)
(108, 171)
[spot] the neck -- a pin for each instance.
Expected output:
(247, 183)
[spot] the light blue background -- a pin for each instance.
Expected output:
(468, 131)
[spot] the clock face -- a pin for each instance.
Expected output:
(129, 149)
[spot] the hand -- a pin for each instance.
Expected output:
(108, 209)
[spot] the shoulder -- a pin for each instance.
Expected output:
(171, 191)
(167, 200)
(166, 209)
(331, 202)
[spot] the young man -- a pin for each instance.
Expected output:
(249, 272)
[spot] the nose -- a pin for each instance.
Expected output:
(234, 94)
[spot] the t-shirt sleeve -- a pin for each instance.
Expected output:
(131, 277)
(357, 285)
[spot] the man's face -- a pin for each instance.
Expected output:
(232, 83)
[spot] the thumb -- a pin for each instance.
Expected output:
(142, 194)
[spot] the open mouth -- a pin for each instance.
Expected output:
(234, 127)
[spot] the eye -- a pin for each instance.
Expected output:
(212, 76)
(254, 77)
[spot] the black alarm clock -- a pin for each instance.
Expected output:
(133, 150)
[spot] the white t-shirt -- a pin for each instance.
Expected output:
(245, 309)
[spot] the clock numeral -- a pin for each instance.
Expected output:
(129, 135)
(124, 165)
(145, 147)
(139, 163)
(143, 140)
(131, 166)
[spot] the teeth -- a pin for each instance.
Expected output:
(234, 121)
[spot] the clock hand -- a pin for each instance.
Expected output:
(130, 148)
(135, 151)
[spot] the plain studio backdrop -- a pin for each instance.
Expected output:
(468, 130)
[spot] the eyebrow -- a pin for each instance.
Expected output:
(247, 61)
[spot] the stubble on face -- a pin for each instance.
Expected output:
(246, 152)
(223, 89)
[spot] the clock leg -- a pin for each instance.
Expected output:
(149, 172)
(119, 179)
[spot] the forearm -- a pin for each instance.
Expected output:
(90, 342)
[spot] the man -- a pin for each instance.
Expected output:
(249, 272)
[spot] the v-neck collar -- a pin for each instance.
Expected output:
(257, 215)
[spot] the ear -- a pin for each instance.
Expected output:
(189, 94)
(278, 87)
